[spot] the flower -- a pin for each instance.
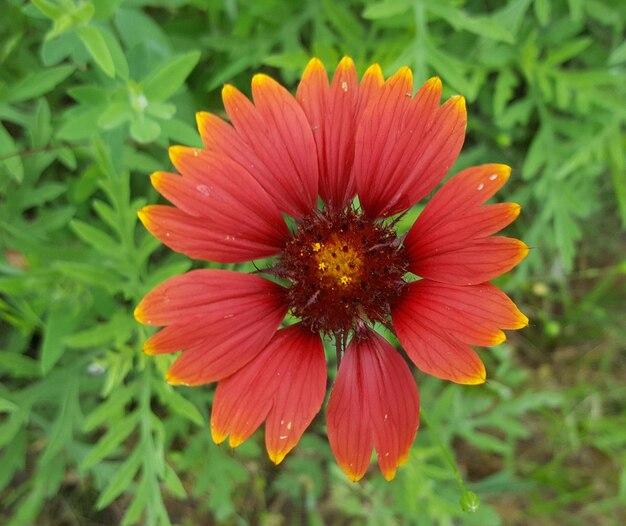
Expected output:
(340, 268)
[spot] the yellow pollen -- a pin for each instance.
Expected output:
(338, 261)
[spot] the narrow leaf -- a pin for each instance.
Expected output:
(95, 43)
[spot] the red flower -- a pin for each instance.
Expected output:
(339, 268)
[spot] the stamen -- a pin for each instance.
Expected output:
(344, 269)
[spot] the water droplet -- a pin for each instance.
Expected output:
(481, 186)
(228, 316)
(344, 86)
(493, 177)
(230, 238)
(204, 189)
(95, 369)
(168, 234)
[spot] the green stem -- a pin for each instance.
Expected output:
(444, 450)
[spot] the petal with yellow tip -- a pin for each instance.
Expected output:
(284, 386)
(374, 404)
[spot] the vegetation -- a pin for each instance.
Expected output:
(92, 92)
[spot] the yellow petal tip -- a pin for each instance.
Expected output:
(149, 348)
(434, 83)
(143, 215)
(459, 102)
(277, 456)
(261, 79)
(228, 91)
(389, 474)
(171, 379)
(138, 312)
(156, 178)
(235, 441)
(217, 436)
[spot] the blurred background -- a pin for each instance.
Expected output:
(92, 93)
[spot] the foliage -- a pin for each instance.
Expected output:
(92, 93)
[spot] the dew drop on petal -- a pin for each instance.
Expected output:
(344, 86)
(481, 186)
(493, 177)
(204, 189)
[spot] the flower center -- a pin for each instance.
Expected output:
(338, 262)
(343, 268)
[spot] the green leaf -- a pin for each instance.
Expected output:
(50, 9)
(117, 329)
(10, 428)
(116, 114)
(95, 43)
(618, 172)
(480, 25)
(11, 161)
(386, 9)
(36, 84)
(95, 238)
(79, 124)
(119, 431)
(90, 274)
(506, 83)
(618, 55)
(163, 82)
(567, 51)
(19, 366)
(59, 323)
(145, 130)
(138, 504)
(542, 10)
(121, 480)
(173, 483)
(183, 407)
(61, 432)
(6, 406)
(109, 410)
(41, 127)
(55, 50)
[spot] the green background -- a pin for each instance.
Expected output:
(91, 95)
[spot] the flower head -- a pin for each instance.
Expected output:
(367, 151)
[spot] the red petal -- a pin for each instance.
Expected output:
(284, 384)
(333, 113)
(405, 146)
(434, 350)
(219, 190)
(229, 242)
(449, 243)
(472, 315)
(277, 131)
(374, 403)
(221, 319)
(470, 263)
(370, 87)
